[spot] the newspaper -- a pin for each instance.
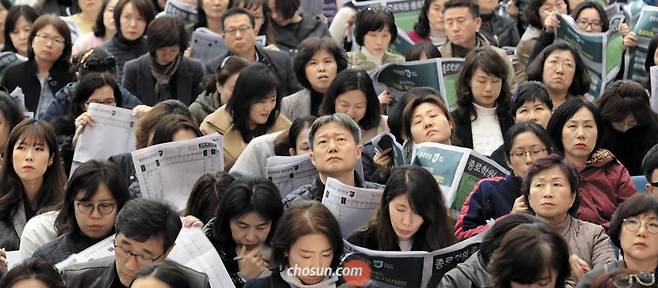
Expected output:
(397, 152)
(455, 169)
(112, 134)
(352, 206)
(290, 172)
(601, 52)
(194, 250)
(14, 258)
(207, 44)
(414, 268)
(654, 88)
(19, 98)
(166, 172)
(645, 28)
(438, 73)
(102, 249)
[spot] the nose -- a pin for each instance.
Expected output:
(528, 158)
(428, 122)
(406, 219)
(96, 213)
(29, 155)
(533, 116)
(580, 133)
(250, 236)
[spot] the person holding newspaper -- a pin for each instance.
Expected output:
(246, 218)
(493, 198)
(551, 192)
(94, 195)
(411, 215)
(575, 129)
(334, 143)
(307, 239)
(32, 179)
(145, 233)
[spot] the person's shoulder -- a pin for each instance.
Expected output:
(193, 63)
(141, 60)
(49, 248)
(275, 55)
(220, 120)
(301, 193)
(195, 278)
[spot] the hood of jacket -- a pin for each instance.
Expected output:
(208, 101)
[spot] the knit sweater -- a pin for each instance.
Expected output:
(487, 135)
(124, 50)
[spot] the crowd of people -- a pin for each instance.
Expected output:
(579, 207)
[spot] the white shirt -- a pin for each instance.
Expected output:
(487, 136)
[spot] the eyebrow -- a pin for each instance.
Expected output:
(309, 251)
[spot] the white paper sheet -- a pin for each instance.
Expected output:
(352, 206)
(13, 258)
(112, 134)
(102, 249)
(167, 172)
(654, 88)
(290, 172)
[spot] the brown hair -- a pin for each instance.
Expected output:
(623, 98)
(145, 125)
(63, 31)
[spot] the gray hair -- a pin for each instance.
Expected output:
(339, 118)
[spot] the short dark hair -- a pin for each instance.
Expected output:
(522, 127)
(426, 199)
(596, 6)
(563, 113)
(639, 203)
(422, 48)
(167, 127)
(623, 98)
(581, 79)
(87, 85)
(304, 218)
(229, 67)
(141, 219)
(63, 31)
(11, 112)
(489, 61)
(287, 8)
(348, 80)
(288, 138)
(12, 17)
(472, 6)
(530, 91)
(205, 195)
(243, 196)
(266, 28)
(548, 162)
(238, 11)
(166, 31)
(533, 249)
(650, 162)
(374, 19)
(255, 83)
(341, 119)
(396, 114)
(166, 271)
(33, 268)
(145, 124)
(531, 13)
(95, 60)
(413, 103)
(144, 7)
(422, 26)
(308, 48)
(494, 236)
(86, 180)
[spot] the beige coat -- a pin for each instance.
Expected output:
(220, 121)
(523, 51)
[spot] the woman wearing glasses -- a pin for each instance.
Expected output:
(495, 197)
(634, 229)
(94, 195)
(47, 68)
(551, 193)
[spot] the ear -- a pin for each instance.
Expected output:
(312, 156)
(51, 160)
(478, 22)
(359, 150)
(292, 152)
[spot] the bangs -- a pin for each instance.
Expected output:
(32, 135)
(492, 66)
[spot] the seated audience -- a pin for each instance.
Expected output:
(374, 32)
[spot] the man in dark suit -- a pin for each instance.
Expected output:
(145, 233)
(240, 38)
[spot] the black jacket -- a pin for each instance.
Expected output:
(227, 254)
(368, 239)
(137, 78)
(287, 38)
(631, 146)
(278, 61)
(125, 163)
(101, 273)
(24, 75)
(62, 247)
(464, 136)
(499, 30)
(124, 51)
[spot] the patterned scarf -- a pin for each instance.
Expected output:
(162, 75)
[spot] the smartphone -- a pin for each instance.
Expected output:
(385, 142)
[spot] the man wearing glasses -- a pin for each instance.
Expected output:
(240, 39)
(650, 169)
(145, 233)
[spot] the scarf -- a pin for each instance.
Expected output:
(162, 75)
(294, 282)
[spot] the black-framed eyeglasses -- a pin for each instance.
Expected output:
(108, 63)
(104, 208)
(124, 252)
(646, 279)
(654, 184)
(108, 102)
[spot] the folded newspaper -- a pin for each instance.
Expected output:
(455, 169)
(645, 27)
(290, 172)
(352, 206)
(166, 172)
(437, 73)
(113, 133)
(384, 141)
(392, 269)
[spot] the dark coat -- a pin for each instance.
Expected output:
(287, 38)
(24, 75)
(368, 239)
(62, 247)
(137, 78)
(463, 134)
(631, 146)
(278, 61)
(499, 30)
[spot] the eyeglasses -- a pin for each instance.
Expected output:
(45, 38)
(645, 279)
(634, 224)
(533, 153)
(88, 207)
(108, 102)
(564, 65)
(380, 8)
(582, 24)
(242, 30)
(654, 184)
(123, 252)
(106, 64)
